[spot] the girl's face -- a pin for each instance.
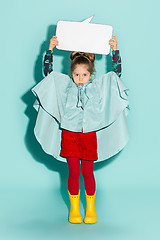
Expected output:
(81, 75)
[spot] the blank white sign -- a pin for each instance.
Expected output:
(84, 36)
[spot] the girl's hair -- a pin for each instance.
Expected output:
(82, 58)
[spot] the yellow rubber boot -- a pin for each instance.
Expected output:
(91, 216)
(74, 215)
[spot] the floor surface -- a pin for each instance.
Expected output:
(37, 214)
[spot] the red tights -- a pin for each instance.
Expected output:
(74, 173)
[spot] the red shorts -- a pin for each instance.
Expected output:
(79, 144)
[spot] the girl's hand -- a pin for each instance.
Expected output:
(53, 43)
(113, 43)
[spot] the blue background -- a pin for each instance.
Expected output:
(34, 200)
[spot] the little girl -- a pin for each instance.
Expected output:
(77, 116)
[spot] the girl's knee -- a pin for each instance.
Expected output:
(74, 172)
(74, 167)
(87, 169)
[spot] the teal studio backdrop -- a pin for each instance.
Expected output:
(34, 201)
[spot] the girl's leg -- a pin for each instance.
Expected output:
(74, 173)
(73, 189)
(87, 171)
(88, 175)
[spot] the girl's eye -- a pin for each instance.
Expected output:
(77, 75)
(85, 74)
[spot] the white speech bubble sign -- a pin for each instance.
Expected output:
(84, 36)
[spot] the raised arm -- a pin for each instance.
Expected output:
(116, 62)
(48, 62)
(116, 59)
(48, 58)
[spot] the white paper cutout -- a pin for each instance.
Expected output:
(84, 36)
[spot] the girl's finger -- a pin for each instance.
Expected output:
(54, 41)
(115, 37)
(112, 40)
(54, 37)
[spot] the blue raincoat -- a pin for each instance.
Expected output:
(101, 105)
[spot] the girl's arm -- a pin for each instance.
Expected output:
(116, 59)
(116, 62)
(48, 62)
(48, 58)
